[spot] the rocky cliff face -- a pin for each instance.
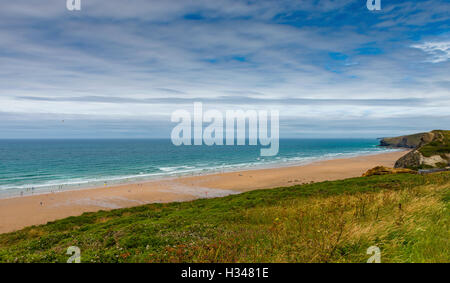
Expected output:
(431, 150)
(415, 159)
(411, 141)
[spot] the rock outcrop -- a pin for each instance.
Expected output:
(415, 159)
(431, 150)
(381, 170)
(412, 159)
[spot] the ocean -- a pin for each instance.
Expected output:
(37, 166)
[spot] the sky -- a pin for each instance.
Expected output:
(118, 69)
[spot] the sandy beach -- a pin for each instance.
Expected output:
(20, 212)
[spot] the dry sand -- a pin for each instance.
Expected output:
(19, 212)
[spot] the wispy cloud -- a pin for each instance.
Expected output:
(438, 51)
(141, 58)
(236, 100)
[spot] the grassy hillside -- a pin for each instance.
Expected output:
(439, 146)
(407, 216)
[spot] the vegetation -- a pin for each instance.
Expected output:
(406, 215)
(382, 170)
(440, 145)
(432, 152)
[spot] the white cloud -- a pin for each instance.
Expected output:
(144, 50)
(437, 51)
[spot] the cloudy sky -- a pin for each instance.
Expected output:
(120, 68)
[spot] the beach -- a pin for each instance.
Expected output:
(19, 212)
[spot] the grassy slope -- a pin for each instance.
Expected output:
(407, 216)
(437, 147)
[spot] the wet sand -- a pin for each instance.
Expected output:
(20, 212)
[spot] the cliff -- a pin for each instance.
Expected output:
(431, 150)
(410, 141)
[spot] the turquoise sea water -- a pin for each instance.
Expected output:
(47, 165)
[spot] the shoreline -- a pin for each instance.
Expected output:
(136, 179)
(19, 212)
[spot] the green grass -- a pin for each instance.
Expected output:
(406, 216)
(439, 146)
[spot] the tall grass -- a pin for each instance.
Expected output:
(406, 216)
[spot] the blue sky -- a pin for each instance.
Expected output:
(120, 68)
